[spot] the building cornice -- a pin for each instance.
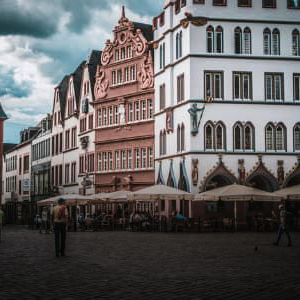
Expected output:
(240, 153)
(226, 56)
(126, 139)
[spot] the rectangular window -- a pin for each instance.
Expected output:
(242, 86)
(150, 109)
(220, 2)
(117, 55)
(129, 156)
(26, 164)
(296, 87)
(150, 157)
(214, 85)
(104, 117)
(244, 3)
(126, 74)
(137, 158)
(267, 43)
(180, 88)
(73, 172)
(91, 122)
(67, 140)
(67, 174)
(110, 115)
(119, 76)
(60, 176)
(74, 137)
(199, 1)
(104, 161)
(117, 160)
(110, 160)
(144, 110)
(99, 162)
(274, 86)
(129, 52)
(269, 3)
(124, 159)
(144, 158)
(113, 78)
(99, 117)
(116, 114)
(81, 164)
(162, 96)
(132, 73)
(137, 110)
(275, 44)
(130, 112)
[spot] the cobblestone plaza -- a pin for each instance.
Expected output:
(145, 265)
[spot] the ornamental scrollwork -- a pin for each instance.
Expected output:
(147, 74)
(101, 84)
(140, 44)
(107, 53)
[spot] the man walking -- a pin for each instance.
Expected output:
(1, 219)
(60, 218)
(283, 226)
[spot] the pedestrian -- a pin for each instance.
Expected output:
(283, 226)
(1, 219)
(60, 219)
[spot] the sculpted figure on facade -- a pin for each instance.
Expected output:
(169, 120)
(242, 171)
(147, 74)
(280, 172)
(195, 171)
(193, 111)
(101, 84)
(107, 53)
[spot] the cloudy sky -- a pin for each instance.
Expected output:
(41, 40)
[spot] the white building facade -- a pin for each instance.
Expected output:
(227, 94)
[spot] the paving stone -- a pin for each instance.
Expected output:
(138, 265)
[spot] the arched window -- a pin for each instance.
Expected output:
(238, 40)
(238, 137)
(280, 137)
(210, 39)
(249, 137)
(276, 42)
(270, 145)
(267, 41)
(297, 137)
(164, 142)
(178, 138)
(295, 43)
(219, 40)
(208, 137)
(247, 41)
(220, 137)
(182, 138)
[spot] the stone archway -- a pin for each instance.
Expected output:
(261, 178)
(218, 177)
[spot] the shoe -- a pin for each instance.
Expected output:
(275, 244)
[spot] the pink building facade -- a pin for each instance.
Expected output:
(124, 109)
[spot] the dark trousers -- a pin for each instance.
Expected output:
(60, 238)
(281, 230)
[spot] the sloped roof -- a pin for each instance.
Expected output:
(2, 113)
(77, 76)
(146, 30)
(63, 89)
(93, 61)
(8, 146)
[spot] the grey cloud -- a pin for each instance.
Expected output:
(33, 19)
(9, 87)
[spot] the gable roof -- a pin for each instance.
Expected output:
(77, 76)
(93, 61)
(62, 90)
(146, 30)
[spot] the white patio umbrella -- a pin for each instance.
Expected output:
(71, 199)
(289, 193)
(236, 192)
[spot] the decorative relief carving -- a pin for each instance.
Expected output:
(107, 53)
(147, 74)
(140, 44)
(169, 120)
(101, 84)
(280, 172)
(242, 171)
(195, 171)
